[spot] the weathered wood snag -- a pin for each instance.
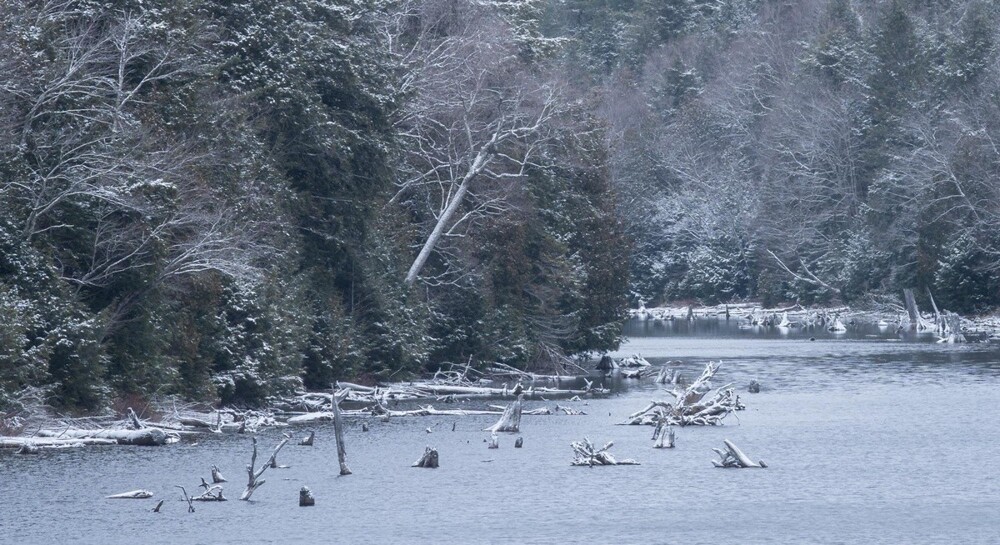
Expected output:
(254, 480)
(692, 406)
(308, 440)
(217, 475)
(510, 420)
(494, 441)
(663, 435)
(734, 457)
(588, 455)
(519, 443)
(429, 459)
(306, 498)
(338, 428)
(131, 495)
(158, 506)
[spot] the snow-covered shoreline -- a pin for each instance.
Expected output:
(985, 326)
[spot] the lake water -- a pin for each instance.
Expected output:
(870, 438)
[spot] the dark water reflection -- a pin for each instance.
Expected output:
(869, 439)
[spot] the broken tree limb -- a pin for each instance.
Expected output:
(510, 420)
(734, 457)
(186, 498)
(213, 493)
(254, 481)
(588, 455)
(131, 495)
(217, 476)
(429, 458)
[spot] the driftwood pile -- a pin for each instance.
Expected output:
(586, 454)
(696, 405)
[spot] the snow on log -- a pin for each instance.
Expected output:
(692, 406)
(663, 435)
(34, 443)
(734, 457)
(429, 459)
(131, 495)
(588, 455)
(143, 437)
(510, 420)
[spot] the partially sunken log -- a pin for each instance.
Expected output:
(588, 455)
(692, 406)
(734, 457)
(131, 495)
(146, 437)
(254, 481)
(308, 440)
(510, 420)
(212, 493)
(429, 459)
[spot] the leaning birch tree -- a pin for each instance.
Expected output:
(474, 121)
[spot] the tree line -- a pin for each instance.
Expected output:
(229, 200)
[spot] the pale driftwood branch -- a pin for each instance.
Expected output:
(131, 495)
(734, 457)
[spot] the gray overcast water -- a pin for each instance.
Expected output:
(870, 439)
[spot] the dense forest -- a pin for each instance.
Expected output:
(228, 200)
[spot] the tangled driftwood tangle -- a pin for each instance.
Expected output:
(586, 454)
(696, 405)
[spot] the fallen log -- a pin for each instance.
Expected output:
(734, 457)
(428, 460)
(588, 455)
(213, 493)
(131, 495)
(142, 437)
(48, 442)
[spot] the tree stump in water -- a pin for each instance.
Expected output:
(519, 443)
(510, 420)
(308, 441)
(306, 498)
(494, 441)
(429, 459)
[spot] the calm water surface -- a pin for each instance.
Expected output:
(870, 438)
